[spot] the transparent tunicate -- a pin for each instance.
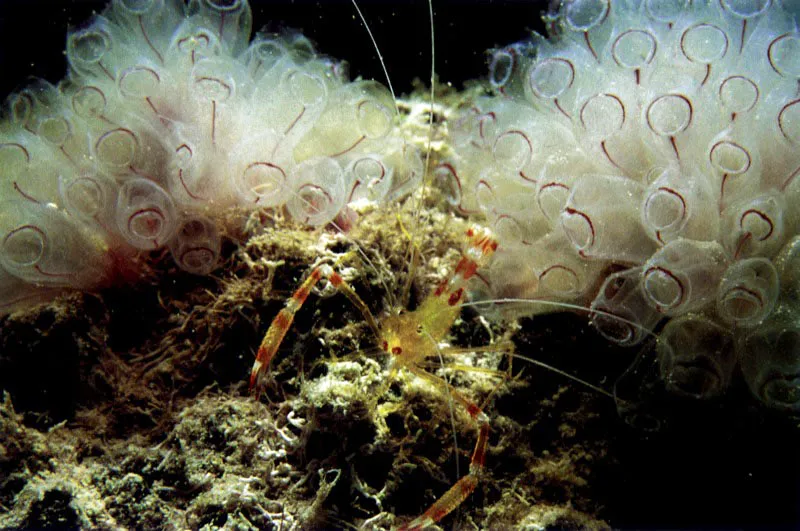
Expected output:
(39, 244)
(770, 359)
(232, 20)
(319, 192)
(621, 312)
(601, 219)
(683, 275)
(88, 197)
(512, 150)
(679, 205)
(408, 170)
(551, 78)
(561, 272)
(152, 21)
(117, 149)
(747, 292)
(95, 51)
(89, 102)
(358, 115)
(145, 214)
(191, 44)
(196, 245)
(257, 175)
(263, 55)
(704, 43)
(755, 226)
(141, 83)
(634, 49)
(669, 114)
(696, 356)
(738, 94)
(505, 65)
(371, 177)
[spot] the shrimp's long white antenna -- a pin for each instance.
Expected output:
(565, 374)
(380, 56)
(563, 305)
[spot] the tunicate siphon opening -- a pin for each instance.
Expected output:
(371, 178)
(319, 192)
(551, 77)
(602, 115)
(87, 48)
(620, 312)
(512, 150)
(696, 356)
(729, 157)
(669, 115)
(85, 196)
(89, 102)
(665, 210)
(748, 291)
(145, 214)
(265, 180)
(307, 89)
(24, 245)
(704, 43)
(263, 55)
(583, 15)
(196, 246)
(634, 49)
(374, 119)
(738, 94)
(117, 149)
(501, 68)
(139, 82)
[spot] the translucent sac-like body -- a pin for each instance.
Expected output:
(659, 143)
(170, 116)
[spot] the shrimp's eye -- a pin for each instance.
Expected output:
(419, 329)
(386, 346)
(397, 351)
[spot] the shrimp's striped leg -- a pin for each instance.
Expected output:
(283, 321)
(277, 330)
(459, 492)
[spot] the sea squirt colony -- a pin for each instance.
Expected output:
(169, 116)
(643, 162)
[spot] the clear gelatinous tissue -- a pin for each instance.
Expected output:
(644, 162)
(170, 114)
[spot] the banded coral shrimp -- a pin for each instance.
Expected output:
(219, 327)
